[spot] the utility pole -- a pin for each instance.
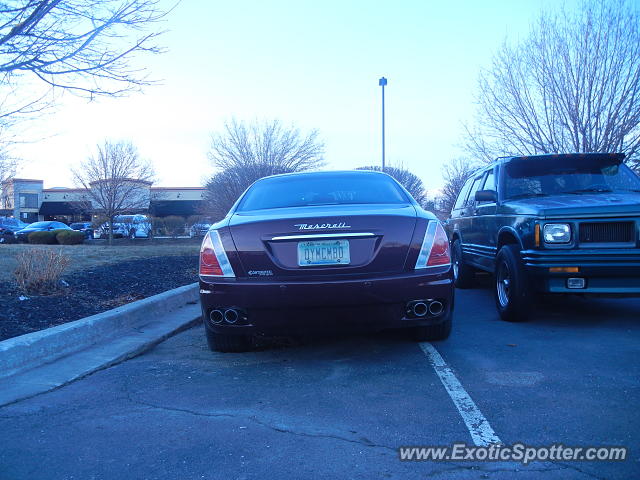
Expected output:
(382, 82)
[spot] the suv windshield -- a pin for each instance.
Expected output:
(555, 176)
(324, 189)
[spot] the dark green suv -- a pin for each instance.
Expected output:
(549, 223)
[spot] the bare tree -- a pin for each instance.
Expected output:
(573, 85)
(78, 45)
(224, 188)
(455, 174)
(7, 166)
(245, 153)
(117, 181)
(266, 144)
(408, 180)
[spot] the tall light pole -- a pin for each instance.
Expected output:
(382, 82)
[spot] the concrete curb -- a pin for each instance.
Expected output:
(29, 351)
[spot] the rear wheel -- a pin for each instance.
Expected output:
(132, 234)
(464, 275)
(433, 332)
(219, 342)
(512, 295)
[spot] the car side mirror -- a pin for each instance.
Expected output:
(486, 196)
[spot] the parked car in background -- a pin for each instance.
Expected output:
(199, 229)
(84, 227)
(549, 223)
(131, 226)
(307, 251)
(22, 235)
(8, 227)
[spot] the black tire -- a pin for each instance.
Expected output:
(433, 332)
(511, 287)
(132, 234)
(464, 275)
(228, 343)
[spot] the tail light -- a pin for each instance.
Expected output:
(213, 258)
(435, 248)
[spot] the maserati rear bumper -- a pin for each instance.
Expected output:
(289, 307)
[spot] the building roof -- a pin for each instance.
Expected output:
(64, 190)
(178, 188)
(11, 180)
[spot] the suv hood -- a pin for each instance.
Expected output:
(578, 205)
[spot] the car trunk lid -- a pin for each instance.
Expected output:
(323, 240)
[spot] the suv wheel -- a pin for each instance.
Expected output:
(228, 343)
(132, 234)
(512, 293)
(463, 274)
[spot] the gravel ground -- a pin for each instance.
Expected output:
(93, 291)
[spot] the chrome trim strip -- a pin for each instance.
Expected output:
(221, 255)
(427, 244)
(324, 235)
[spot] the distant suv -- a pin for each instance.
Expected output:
(131, 226)
(548, 223)
(84, 227)
(199, 229)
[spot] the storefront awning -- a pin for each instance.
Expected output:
(63, 208)
(182, 208)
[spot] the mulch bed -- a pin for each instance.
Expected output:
(93, 291)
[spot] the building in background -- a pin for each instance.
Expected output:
(27, 200)
(21, 198)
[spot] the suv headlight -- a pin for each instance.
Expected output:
(557, 233)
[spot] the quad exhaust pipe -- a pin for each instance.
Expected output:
(422, 308)
(436, 308)
(229, 315)
(216, 316)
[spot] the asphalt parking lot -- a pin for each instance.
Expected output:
(339, 407)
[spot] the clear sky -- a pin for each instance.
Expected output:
(313, 64)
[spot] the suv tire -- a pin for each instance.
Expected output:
(511, 290)
(464, 275)
(132, 234)
(219, 342)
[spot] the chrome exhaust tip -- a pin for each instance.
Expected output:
(436, 308)
(231, 315)
(420, 309)
(216, 316)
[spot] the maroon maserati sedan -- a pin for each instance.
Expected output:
(320, 251)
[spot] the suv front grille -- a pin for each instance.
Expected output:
(607, 232)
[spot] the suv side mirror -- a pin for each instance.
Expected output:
(486, 196)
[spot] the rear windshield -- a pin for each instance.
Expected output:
(323, 189)
(577, 175)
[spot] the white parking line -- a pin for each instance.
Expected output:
(481, 432)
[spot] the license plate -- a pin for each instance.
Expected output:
(327, 252)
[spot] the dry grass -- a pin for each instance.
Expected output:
(40, 270)
(85, 257)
